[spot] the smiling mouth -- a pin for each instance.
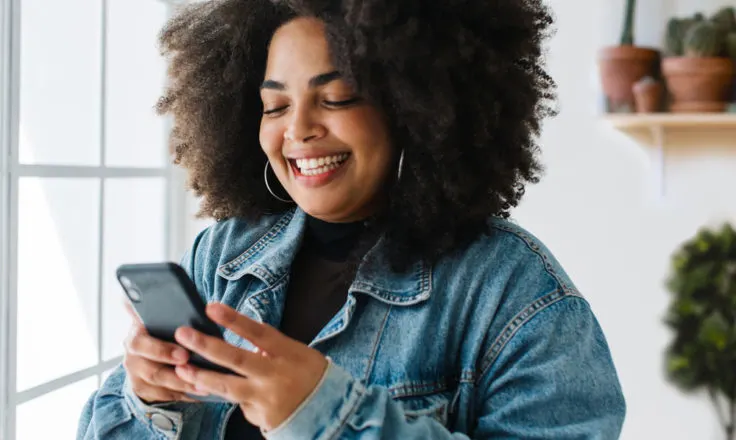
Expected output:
(317, 166)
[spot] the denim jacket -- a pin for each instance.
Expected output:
(494, 342)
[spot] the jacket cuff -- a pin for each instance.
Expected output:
(325, 411)
(166, 422)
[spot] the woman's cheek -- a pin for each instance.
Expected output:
(270, 137)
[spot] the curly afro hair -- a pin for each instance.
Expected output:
(461, 81)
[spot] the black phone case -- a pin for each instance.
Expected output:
(165, 298)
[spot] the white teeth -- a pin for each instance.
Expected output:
(320, 170)
(315, 166)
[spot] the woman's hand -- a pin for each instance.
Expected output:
(274, 382)
(149, 363)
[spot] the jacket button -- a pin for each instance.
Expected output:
(162, 422)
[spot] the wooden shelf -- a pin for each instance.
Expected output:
(660, 124)
(673, 120)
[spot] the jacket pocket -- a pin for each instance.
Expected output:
(436, 406)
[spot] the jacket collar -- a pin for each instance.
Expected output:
(269, 259)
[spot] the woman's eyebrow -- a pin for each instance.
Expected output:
(273, 85)
(316, 81)
(324, 78)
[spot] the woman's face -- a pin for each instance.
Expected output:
(329, 148)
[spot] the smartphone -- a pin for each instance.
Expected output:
(165, 298)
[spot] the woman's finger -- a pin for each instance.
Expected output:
(129, 308)
(159, 376)
(232, 388)
(216, 350)
(151, 394)
(263, 336)
(142, 344)
(155, 374)
(131, 312)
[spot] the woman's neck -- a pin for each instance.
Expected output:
(333, 241)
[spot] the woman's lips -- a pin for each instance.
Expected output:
(317, 180)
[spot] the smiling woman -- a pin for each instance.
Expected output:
(329, 147)
(361, 160)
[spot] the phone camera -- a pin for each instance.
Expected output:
(130, 289)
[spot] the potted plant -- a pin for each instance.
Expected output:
(698, 70)
(648, 95)
(702, 316)
(727, 18)
(623, 65)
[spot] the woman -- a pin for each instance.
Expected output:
(361, 159)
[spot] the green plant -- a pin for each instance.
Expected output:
(677, 29)
(731, 45)
(726, 18)
(702, 315)
(704, 39)
(698, 36)
(627, 35)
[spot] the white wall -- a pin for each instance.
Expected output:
(597, 211)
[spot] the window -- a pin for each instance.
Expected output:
(85, 186)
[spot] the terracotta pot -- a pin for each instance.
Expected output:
(648, 96)
(621, 67)
(698, 84)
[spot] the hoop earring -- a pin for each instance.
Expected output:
(265, 179)
(401, 165)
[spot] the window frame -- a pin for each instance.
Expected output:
(11, 171)
(8, 70)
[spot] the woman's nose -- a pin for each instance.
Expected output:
(304, 128)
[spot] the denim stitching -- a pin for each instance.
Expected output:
(360, 391)
(256, 296)
(426, 278)
(424, 285)
(272, 234)
(244, 298)
(338, 327)
(375, 346)
(534, 246)
(467, 376)
(388, 297)
(224, 421)
(517, 322)
(417, 389)
(454, 402)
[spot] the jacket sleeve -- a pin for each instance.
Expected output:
(115, 412)
(553, 379)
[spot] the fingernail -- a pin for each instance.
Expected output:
(186, 334)
(180, 355)
(184, 370)
(218, 312)
(197, 392)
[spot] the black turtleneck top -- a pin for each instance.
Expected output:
(317, 290)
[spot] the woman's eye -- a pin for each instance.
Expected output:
(343, 103)
(275, 110)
